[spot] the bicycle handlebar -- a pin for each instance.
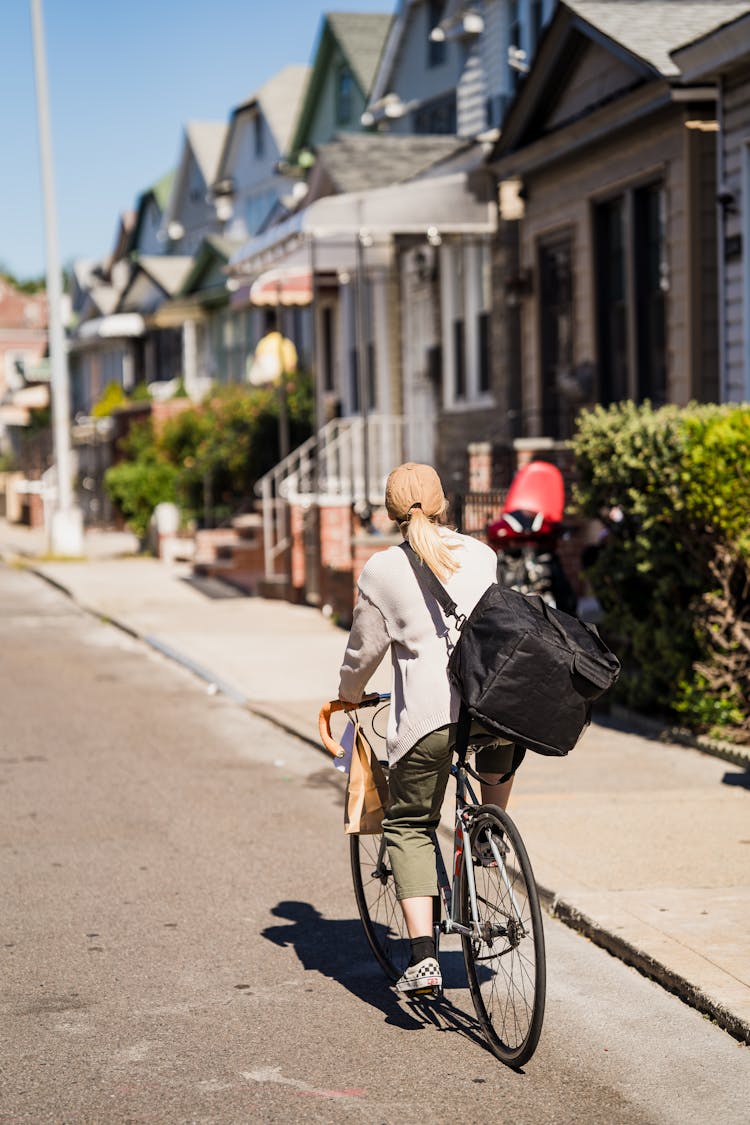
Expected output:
(324, 718)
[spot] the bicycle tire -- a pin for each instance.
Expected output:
(507, 975)
(379, 909)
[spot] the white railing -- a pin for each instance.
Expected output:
(329, 468)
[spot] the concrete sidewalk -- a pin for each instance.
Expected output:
(642, 845)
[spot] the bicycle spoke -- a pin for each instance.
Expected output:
(505, 957)
(379, 910)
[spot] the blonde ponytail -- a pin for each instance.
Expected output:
(429, 545)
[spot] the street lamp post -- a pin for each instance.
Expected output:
(65, 533)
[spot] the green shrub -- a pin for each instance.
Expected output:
(207, 458)
(112, 396)
(141, 481)
(672, 487)
(224, 445)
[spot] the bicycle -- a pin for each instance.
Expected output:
(491, 902)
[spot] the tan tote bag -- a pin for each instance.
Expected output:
(366, 790)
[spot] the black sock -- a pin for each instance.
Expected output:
(421, 947)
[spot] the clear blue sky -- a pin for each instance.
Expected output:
(124, 76)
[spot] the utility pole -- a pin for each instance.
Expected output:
(65, 534)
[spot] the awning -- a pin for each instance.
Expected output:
(118, 325)
(285, 287)
(327, 231)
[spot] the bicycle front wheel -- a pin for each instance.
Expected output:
(504, 954)
(379, 909)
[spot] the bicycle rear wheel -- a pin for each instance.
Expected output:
(379, 909)
(504, 955)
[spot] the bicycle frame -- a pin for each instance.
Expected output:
(466, 806)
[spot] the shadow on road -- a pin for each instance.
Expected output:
(337, 948)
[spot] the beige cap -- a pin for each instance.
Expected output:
(410, 486)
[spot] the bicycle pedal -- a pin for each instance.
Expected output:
(433, 991)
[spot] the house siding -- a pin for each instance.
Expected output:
(736, 139)
(413, 79)
(324, 124)
(597, 77)
(561, 197)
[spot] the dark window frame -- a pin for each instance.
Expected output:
(437, 49)
(345, 92)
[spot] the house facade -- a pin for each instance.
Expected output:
(452, 66)
(609, 155)
(722, 58)
(345, 61)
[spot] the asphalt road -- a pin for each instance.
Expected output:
(179, 941)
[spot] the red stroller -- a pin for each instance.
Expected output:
(527, 533)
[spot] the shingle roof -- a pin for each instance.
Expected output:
(360, 161)
(280, 99)
(167, 271)
(206, 139)
(651, 29)
(361, 36)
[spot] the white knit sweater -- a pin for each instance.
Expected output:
(395, 611)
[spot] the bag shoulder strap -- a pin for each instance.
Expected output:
(434, 585)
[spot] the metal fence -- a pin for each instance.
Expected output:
(471, 512)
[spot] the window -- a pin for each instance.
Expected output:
(537, 20)
(651, 285)
(437, 116)
(465, 313)
(327, 347)
(483, 266)
(345, 91)
(514, 40)
(459, 360)
(436, 49)
(258, 135)
(556, 331)
(611, 285)
(631, 282)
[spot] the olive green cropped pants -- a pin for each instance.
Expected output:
(417, 786)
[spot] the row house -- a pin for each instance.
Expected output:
(722, 58)
(397, 228)
(24, 390)
(607, 163)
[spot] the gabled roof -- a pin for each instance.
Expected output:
(158, 193)
(206, 139)
(166, 273)
(395, 37)
(360, 37)
(278, 100)
(361, 161)
(717, 52)
(169, 272)
(652, 29)
(213, 253)
(638, 34)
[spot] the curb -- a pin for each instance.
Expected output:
(648, 966)
(554, 905)
(630, 721)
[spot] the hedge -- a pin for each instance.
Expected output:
(672, 487)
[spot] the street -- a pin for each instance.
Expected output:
(180, 942)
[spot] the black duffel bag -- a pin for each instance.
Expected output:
(525, 670)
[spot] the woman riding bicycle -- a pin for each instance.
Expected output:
(395, 613)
